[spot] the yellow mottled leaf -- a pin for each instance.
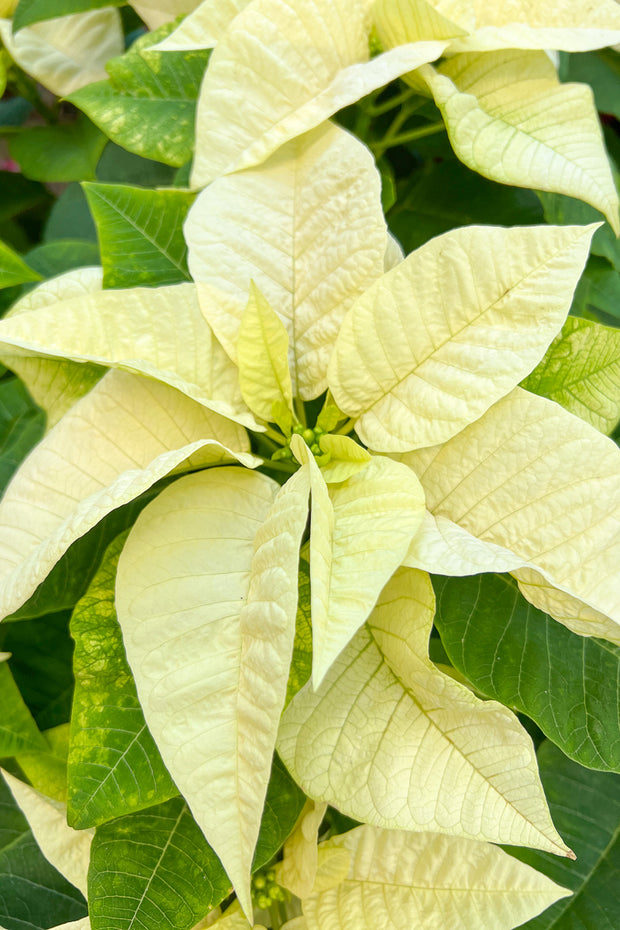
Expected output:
(67, 849)
(510, 119)
(68, 52)
(400, 880)
(113, 444)
(308, 229)
(454, 327)
(262, 357)
(257, 72)
(390, 740)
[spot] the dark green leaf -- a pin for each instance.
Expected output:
(53, 258)
(301, 663)
(148, 105)
(601, 70)
(117, 166)
(22, 425)
(18, 194)
(69, 579)
(153, 870)
(140, 234)
(283, 805)
(33, 895)
(585, 807)
(447, 195)
(64, 152)
(41, 663)
(13, 269)
(18, 731)
(512, 652)
(35, 11)
(565, 210)
(114, 765)
(70, 217)
(14, 111)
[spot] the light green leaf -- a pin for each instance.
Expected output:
(257, 68)
(513, 653)
(586, 806)
(116, 442)
(510, 119)
(140, 234)
(67, 849)
(204, 27)
(183, 578)
(399, 880)
(453, 328)
(346, 457)
(47, 771)
(262, 356)
(148, 105)
(13, 269)
(308, 229)
(32, 892)
(154, 870)
(158, 332)
(61, 152)
(18, 731)
(67, 52)
(539, 482)
(114, 766)
(54, 384)
(390, 740)
(581, 371)
(360, 532)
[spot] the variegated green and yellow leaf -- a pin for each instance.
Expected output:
(204, 27)
(391, 740)
(67, 849)
(262, 357)
(308, 229)
(54, 384)
(537, 481)
(114, 443)
(360, 532)
(206, 599)
(453, 328)
(509, 118)
(68, 52)
(581, 371)
(158, 332)
(257, 72)
(401, 880)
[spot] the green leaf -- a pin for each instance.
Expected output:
(140, 233)
(601, 71)
(114, 766)
(22, 424)
(35, 11)
(70, 217)
(512, 652)
(53, 258)
(446, 194)
(118, 166)
(18, 731)
(19, 194)
(301, 663)
(13, 269)
(581, 371)
(148, 104)
(32, 893)
(41, 665)
(586, 808)
(283, 805)
(63, 152)
(562, 210)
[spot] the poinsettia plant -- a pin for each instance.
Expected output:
(308, 573)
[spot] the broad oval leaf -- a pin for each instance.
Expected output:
(307, 228)
(182, 584)
(116, 442)
(510, 119)
(158, 332)
(114, 767)
(537, 481)
(513, 653)
(67, 52)
(453, 328)
(389, 739)
(257, 67)
(581, 371)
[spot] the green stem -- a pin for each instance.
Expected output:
(275, 917)
(275, 435)
(348, 427)
(288, 467)
(381, 108)
(300, 410)
(393, 139)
